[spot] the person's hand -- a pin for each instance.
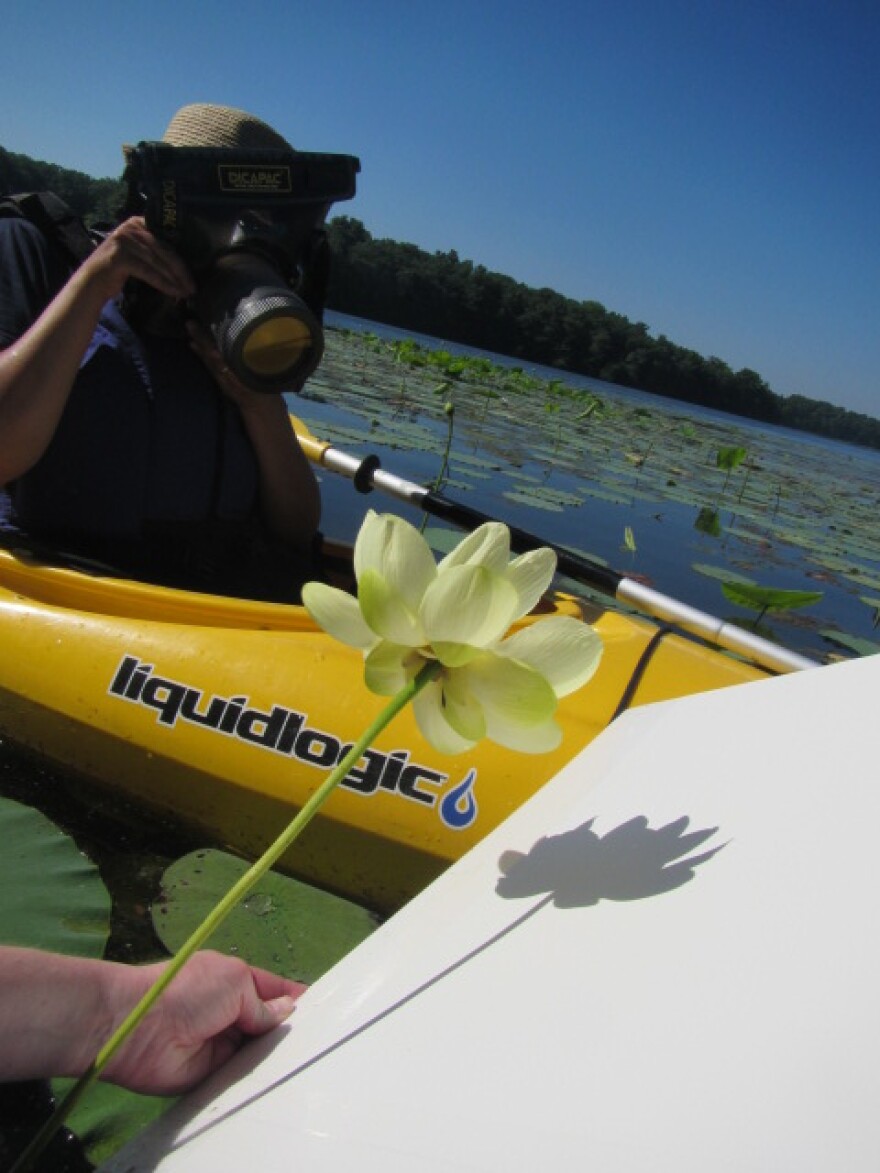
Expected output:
(199, 1021)
(132, 250)
(289, 497)
(202, 343)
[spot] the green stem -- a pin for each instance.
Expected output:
(219, 913)
(444, 465)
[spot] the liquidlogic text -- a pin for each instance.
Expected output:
(286, 731)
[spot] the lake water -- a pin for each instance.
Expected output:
(800, 513)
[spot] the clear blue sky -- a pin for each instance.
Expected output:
(711, 168)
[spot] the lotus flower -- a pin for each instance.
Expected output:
(410, 611)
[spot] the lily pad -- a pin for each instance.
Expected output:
(855, 643)
(108, 1116)
(724, 573)
(282, 925)
(729, 457)
(708, 522)
(442, 541)
(54, 899)
(533, 501)
(53, 896)
(760, 598)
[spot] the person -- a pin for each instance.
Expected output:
(57, 1011)
(134, 446)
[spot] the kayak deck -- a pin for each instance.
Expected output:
(227, 715)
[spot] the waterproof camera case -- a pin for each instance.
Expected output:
(250, 225)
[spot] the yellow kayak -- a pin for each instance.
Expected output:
(227, 715)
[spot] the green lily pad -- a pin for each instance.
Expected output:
(863, 577)
(108, 1117)
(533, 501)
(760, 598)
(442, 541)
(855, 643)
(53, 897)
(282, 925)
(724, 573)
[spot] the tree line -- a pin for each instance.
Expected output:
(440, 295)
(94, 200)
(443, 296)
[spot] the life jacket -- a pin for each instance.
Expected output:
(133, 501)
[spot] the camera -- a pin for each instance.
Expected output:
(250, 225)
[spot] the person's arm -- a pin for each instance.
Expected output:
(38, 370)
(289, 493)
(57, 1012)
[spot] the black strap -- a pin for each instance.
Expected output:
(54, 219)
(639, 671)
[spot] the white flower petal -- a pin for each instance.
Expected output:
(532, 739)
(563, 649)
(468, 605)
(369, 544)
(396, 551)
(461, 709)
(488, 545)
(508, 691)
(428, 712)
(389, 667)
(338, 614)
(386, 611)
(531, 574)
(453, 655)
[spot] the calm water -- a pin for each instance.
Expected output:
(612, 391)
(825, 537)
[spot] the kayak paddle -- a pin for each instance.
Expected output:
(367, 474)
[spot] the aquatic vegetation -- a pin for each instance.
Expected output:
(728, 458)
(794, 505)
(763, 599)
(284, 925)
(54, 899)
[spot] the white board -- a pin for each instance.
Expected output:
(606, 1005)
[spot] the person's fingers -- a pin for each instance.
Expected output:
(202, 342)
(260, 1011)
(133, 248)
(203, 345)
(270, 985)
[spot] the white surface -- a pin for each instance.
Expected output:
(586, 1012)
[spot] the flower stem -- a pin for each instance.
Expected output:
(219, 913)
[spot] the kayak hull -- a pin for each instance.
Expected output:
(227, 715)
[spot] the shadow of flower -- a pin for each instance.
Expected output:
(576, 869)
(579, 868)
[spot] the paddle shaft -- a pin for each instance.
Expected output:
(367, 474)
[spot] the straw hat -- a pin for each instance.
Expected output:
(205, 125)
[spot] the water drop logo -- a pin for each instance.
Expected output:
(459, 807)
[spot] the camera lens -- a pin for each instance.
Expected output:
(276, 345)
(266, 333)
